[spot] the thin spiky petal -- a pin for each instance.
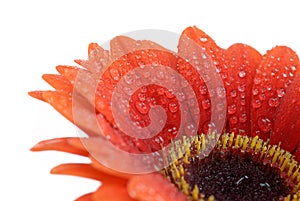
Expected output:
(86, 171)
(58, 82)
(154, 187)
(37, 94)
(65, 144)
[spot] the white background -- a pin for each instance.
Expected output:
(36, 36)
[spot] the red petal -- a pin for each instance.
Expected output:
(61, 144)
(286, 128)
(154, 187)
(238, 73)
(199, 59)
(273, 76)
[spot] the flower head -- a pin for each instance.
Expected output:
(252, 100)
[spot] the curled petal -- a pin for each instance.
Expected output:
(154, 187)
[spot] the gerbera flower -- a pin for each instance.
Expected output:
(257, 156)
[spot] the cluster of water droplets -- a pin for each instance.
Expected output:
(269, 87)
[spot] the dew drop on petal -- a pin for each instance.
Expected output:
(142, 97)
(243, 118)
(255, 91)
(203, 89)
(273, 102)
(173, 107)
(142, 107)
(262, 96)
(233, 93)
(264, 124)
(280, 92)
(257, 80)
(114, 73)
(233, 120)
(242, 74)
(241, 87)
(203, 39)
(256, 103)
(206, 104)
(231, 109)
(221, 92)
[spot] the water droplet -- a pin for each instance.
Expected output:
(243, 102)
(280, 92)
(160, 91)
(203, 89)
(243, 95)
(169, 94)
(242, 74)
(114, 73)
(233, 93)
(255, 91)
(243, 118)
(284, 75)
(241, 87)
(206, 104)
(264, 124)
(142, 97)
(293, 68)
(203, 39)
(142, 107)
(233, 120)
(256, 103)
(257, 80)
(232, 109)
(273, 102)
(221, 92)
(269, 87)
(262, 96)
(173, 107)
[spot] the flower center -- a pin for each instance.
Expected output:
(238, 168)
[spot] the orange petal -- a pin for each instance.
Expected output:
(70, 72)
(154, 187)
(59, 82)
(86, 197)
(86, 171)
(112, 192)
(61, 102)
(61, 144)
(95, 163)
(37, 95)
